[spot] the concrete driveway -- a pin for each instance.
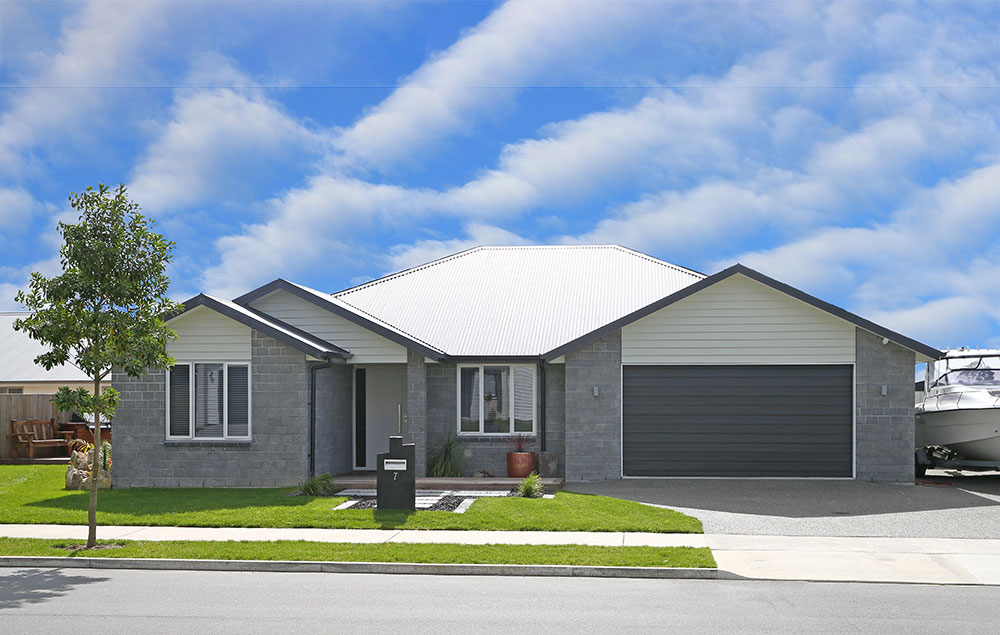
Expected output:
(942, 505)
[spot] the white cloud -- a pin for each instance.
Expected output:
(99, 46)
(913, 272)
(311, 224)
(746, 151)
(17, 206)
(216, 147)
(514, 45)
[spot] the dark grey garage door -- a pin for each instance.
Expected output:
(737, 420)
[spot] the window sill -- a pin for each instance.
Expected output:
(208, 442)
(493, 435)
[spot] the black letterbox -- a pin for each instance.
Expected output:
(397, 482)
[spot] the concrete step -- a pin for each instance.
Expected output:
(365, 481)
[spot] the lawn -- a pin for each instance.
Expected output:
(35, 494)
(382, 552)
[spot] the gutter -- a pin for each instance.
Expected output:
(312, 410)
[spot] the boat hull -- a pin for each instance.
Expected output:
(973, 433)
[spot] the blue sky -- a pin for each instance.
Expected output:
(851, 149)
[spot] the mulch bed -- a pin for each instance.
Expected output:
(446, 504)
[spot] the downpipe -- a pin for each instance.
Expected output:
(312, 412)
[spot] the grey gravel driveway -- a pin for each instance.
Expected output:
(942, 505)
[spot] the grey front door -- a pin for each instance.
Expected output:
(381, 391)
(781, 421)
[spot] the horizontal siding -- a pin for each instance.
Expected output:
(367, 347)
(204, 334)
(738, 321)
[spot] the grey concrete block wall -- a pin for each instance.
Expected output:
(593, 424)
(275, 456)
(555, 414)
(884, 423)
(334, 419)
(415, 430)
(487, 453)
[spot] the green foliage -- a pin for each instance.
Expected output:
(106, 307)
(105, 310)
(446, 460)
(321, 485)
(531, 486)
(519, 441)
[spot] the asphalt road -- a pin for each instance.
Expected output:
(944, 505)
(42, 601)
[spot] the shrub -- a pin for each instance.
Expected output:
(321, 485)
(531, 486)
(446, 460)
(519, 441)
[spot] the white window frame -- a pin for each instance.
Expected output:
(482, 409)
(225, 403)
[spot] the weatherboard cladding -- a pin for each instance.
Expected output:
(367, 347)
(249, 318)
(738, 321)
(517, 301)
(205, 334)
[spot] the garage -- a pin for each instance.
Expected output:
(747, 420)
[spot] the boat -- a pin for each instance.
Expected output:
(959, 416)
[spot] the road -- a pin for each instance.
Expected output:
(42, 601)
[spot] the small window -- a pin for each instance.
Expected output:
(12, 390)
(496, 399)
(179, 401)
(208, 400)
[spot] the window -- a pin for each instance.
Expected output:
(496, 399)
(12, 391)
(214, 396)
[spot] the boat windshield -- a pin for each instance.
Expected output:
(969, 377)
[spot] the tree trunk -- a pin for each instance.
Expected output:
(95, 470)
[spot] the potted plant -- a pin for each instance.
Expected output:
(519, 462)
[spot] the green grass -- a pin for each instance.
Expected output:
(382, 552)
(35, 494)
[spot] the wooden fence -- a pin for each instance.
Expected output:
(21, 407)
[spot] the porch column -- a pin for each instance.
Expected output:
(416, 408)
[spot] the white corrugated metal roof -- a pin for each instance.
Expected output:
(18, 353)
(511, 301)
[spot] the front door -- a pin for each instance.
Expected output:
(379, 410)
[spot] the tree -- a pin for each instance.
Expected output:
(106, 308)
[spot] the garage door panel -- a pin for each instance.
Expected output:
(789, 420)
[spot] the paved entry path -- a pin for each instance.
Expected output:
(860, 559)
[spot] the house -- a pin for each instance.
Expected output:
(19, 374)
(618, 364)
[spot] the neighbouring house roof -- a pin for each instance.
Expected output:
(273, 327)
(18, 353)
(516, 301)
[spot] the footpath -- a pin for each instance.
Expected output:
(820, 559)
